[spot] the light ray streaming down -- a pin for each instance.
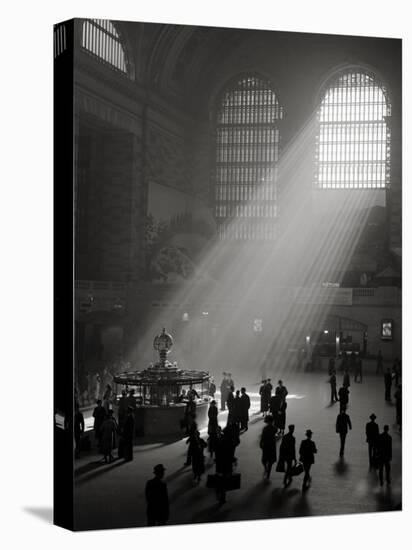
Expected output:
(251, 304)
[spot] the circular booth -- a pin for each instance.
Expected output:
(163, 393)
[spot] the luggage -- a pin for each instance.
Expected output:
(227, 483)
(297, 469)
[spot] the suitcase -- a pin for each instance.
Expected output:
(297, 469)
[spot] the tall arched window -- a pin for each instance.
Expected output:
(353, 144)
(247, 150)
(100, 38)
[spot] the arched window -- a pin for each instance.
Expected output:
(247, 149)
(100, 38)
(353, 140)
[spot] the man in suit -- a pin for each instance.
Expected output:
(224, 389)
(385, 455)
(281, 390)
(268, 445)
(244, 409)
(157, 498)
(307, 453)
(230, 401)
(343, 398)
(287, 454)
(372, 436)
(343, 423)
(332, 382)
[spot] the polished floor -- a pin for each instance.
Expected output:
(108, 496)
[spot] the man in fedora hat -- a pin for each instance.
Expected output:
(372, 436)
(307, 453)
(157, 498)
(343, 423)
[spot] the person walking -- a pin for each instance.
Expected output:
(198, 458)
(268, 445)
(225, 459)
(372, 437)
(343, 398)
(343, 423)
(358, 370)
(287, 454)
(266, 396)
(190, 414)
(213, 427)
(212, 388)
(346, 379)
(213, 440)
(109, 430)
(212, 415)
(244, 409)
(385, 455)
(191, 442)
(157, 498)
(307, 451)
(387, 378)
(236, 411)
(263, 405)
(122, 409)
(281, 390)
(332, 382)
(99, 414)
(224, 390)
(230, 404)
(281, 419)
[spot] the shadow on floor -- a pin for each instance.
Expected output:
(103, 470)
(302, 507)
(43, 513)
(256, 491)
(341, 467)
(186, 485)
(176, 474)
(89, 467)
(387, 501)
(215, 512)
(157, 440)
(280, 497)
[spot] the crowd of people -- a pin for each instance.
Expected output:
(277, 447)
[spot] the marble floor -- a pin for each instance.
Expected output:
(112, 495)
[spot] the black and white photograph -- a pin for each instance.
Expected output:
(205, 316)
(237, 273)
